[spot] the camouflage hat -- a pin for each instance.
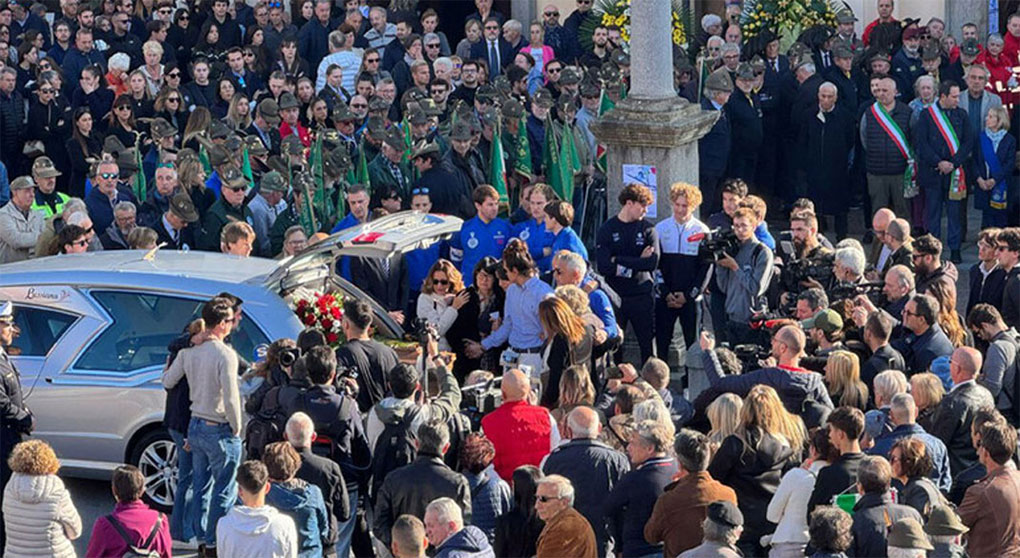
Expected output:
(218, 130)
(744, 71)
(127, 161)
(758, 64)
(461, 131)
(302, 182)
(232, 177)
(512, 109)
(570, 76)
(475, 124)
(415, 114)
(376, 127)
(930, 52)
(292, 145)
(908, 533)
(218, 155)
(288, 101)
(183, 208)
(841, 50)
(619, 58)
(415, 95)
(185, 155)
(22, 183)
(270, 111)
(278, 164)
(272, 181)
(590, 89)
(846, 16)
(377, 103)
(424, 147)
(485, 93)
(970, 47)
(255, 146)
(566, 103)
(543, 98)
(43, 168)
(342, 113)
(162, 129)
(719, 80)
(113, 145)
(233, 143)
(609, 72)
(502, 84)
(489, 116)
(394, 138)
(430, 107)
(337, 161)
(880, 55)
(798, 50)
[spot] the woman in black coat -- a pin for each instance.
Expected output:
(754, 459)
(517, 531)
(569, 343)
(50, 116)
(85, 143)
(475, 319)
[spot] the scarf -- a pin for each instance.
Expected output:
(996, 137)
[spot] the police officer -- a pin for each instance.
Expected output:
(15, 418)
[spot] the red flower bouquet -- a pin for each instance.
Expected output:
(323, 311)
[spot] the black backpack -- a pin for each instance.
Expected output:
(268, 424)
(144, 550)
(394, 448)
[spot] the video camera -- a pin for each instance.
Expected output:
(849, 291)
(478, 400)
(289, 356)
(819, 268)
(425, 331)
(716, 244)
(749, 355)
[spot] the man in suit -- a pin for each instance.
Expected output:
(843, 74)
(744, 113)
(174, 228)
(941, 160)
(956, 411)
(493, 48)
(714, 147)
(266, 125)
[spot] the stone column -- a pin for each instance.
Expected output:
(652, 126)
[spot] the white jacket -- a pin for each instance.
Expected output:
(788, 507)
(256, 533)
(40, 518)
(435, 310)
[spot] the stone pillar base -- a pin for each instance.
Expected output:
(661, 133)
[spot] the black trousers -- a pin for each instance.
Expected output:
(665, 320)
(638, 311)
(717, 309)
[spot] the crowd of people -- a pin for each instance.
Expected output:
(821, 399)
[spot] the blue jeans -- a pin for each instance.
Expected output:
(216, 453)
(346, 528)
(935, 197)
(183, 524)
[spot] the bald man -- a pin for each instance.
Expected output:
(592, 467)
(954, 415)
(794, 384)
(521, 433)
(897, 240)
(879, 251)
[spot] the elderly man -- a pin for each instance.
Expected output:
(566, 532)
(722, 527)
(321, 472)
(106, 193)
(229, 208)
(158, 200)
(884, 130)
(879, 225)
(827, 138)
(714, 147)
(444, 526)
(955, 412)
(903, 414)
(115, 237)
(569, 268)
(20, 227)
(173, 228)
(267, 206)
(592, 467)
(522, 433)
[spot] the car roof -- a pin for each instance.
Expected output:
(210, 266)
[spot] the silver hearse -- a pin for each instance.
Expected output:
(95, 327)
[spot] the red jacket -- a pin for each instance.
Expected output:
(302, 133)
(138, 520)
(520, 433)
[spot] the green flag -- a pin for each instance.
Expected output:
(361, 170)
(307, 213)
(140, 188)
(341, 196)
(605, 105)
(318, 175)
(551, 160)
(569, 163)
(497, 164)
(522, 150)
(246, 168)
(203, 156)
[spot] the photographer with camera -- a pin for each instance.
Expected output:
(338, 425)
(811, 261)
(897, 289)
(744, 278)
(733, 191)
(369, 359)
(683, 272)
(810, 302)
(782, 371)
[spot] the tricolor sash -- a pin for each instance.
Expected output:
(892, 129)
(958, 182)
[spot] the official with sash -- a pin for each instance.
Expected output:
(888, 158)
(944, 143)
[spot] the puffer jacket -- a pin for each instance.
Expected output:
(304, 504)
(881, 156)
(469, 542)
(490, 498)
(41, 520)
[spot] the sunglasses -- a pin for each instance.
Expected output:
(46, 90)
(173, 99)
(371, 61)
(545, 499)
(236, 188)
(491, 28)
(419, 191)
(123, 107)
(554, 70)
(174, 75)
(166, 11)
(440, 282)
(552, 14)
(359, 105)
(108, 175)
(184, 17)
(432, 46)
(249, 55)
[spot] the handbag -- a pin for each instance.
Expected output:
(33, 149)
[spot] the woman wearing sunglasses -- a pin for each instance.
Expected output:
(120, 122)
(169, 106)
(50, 116)
(437, 304)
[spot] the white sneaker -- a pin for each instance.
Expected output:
(190, 544)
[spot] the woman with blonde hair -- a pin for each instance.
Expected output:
(568, 343)
(191, 177)
(752, 461)
(198, 125)
(843, 378)
(152, 51)
(39, 516)
(437, 304)
(724, 417)
(576, 390)
(239, 113)
(927, 390)
(948, 318)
